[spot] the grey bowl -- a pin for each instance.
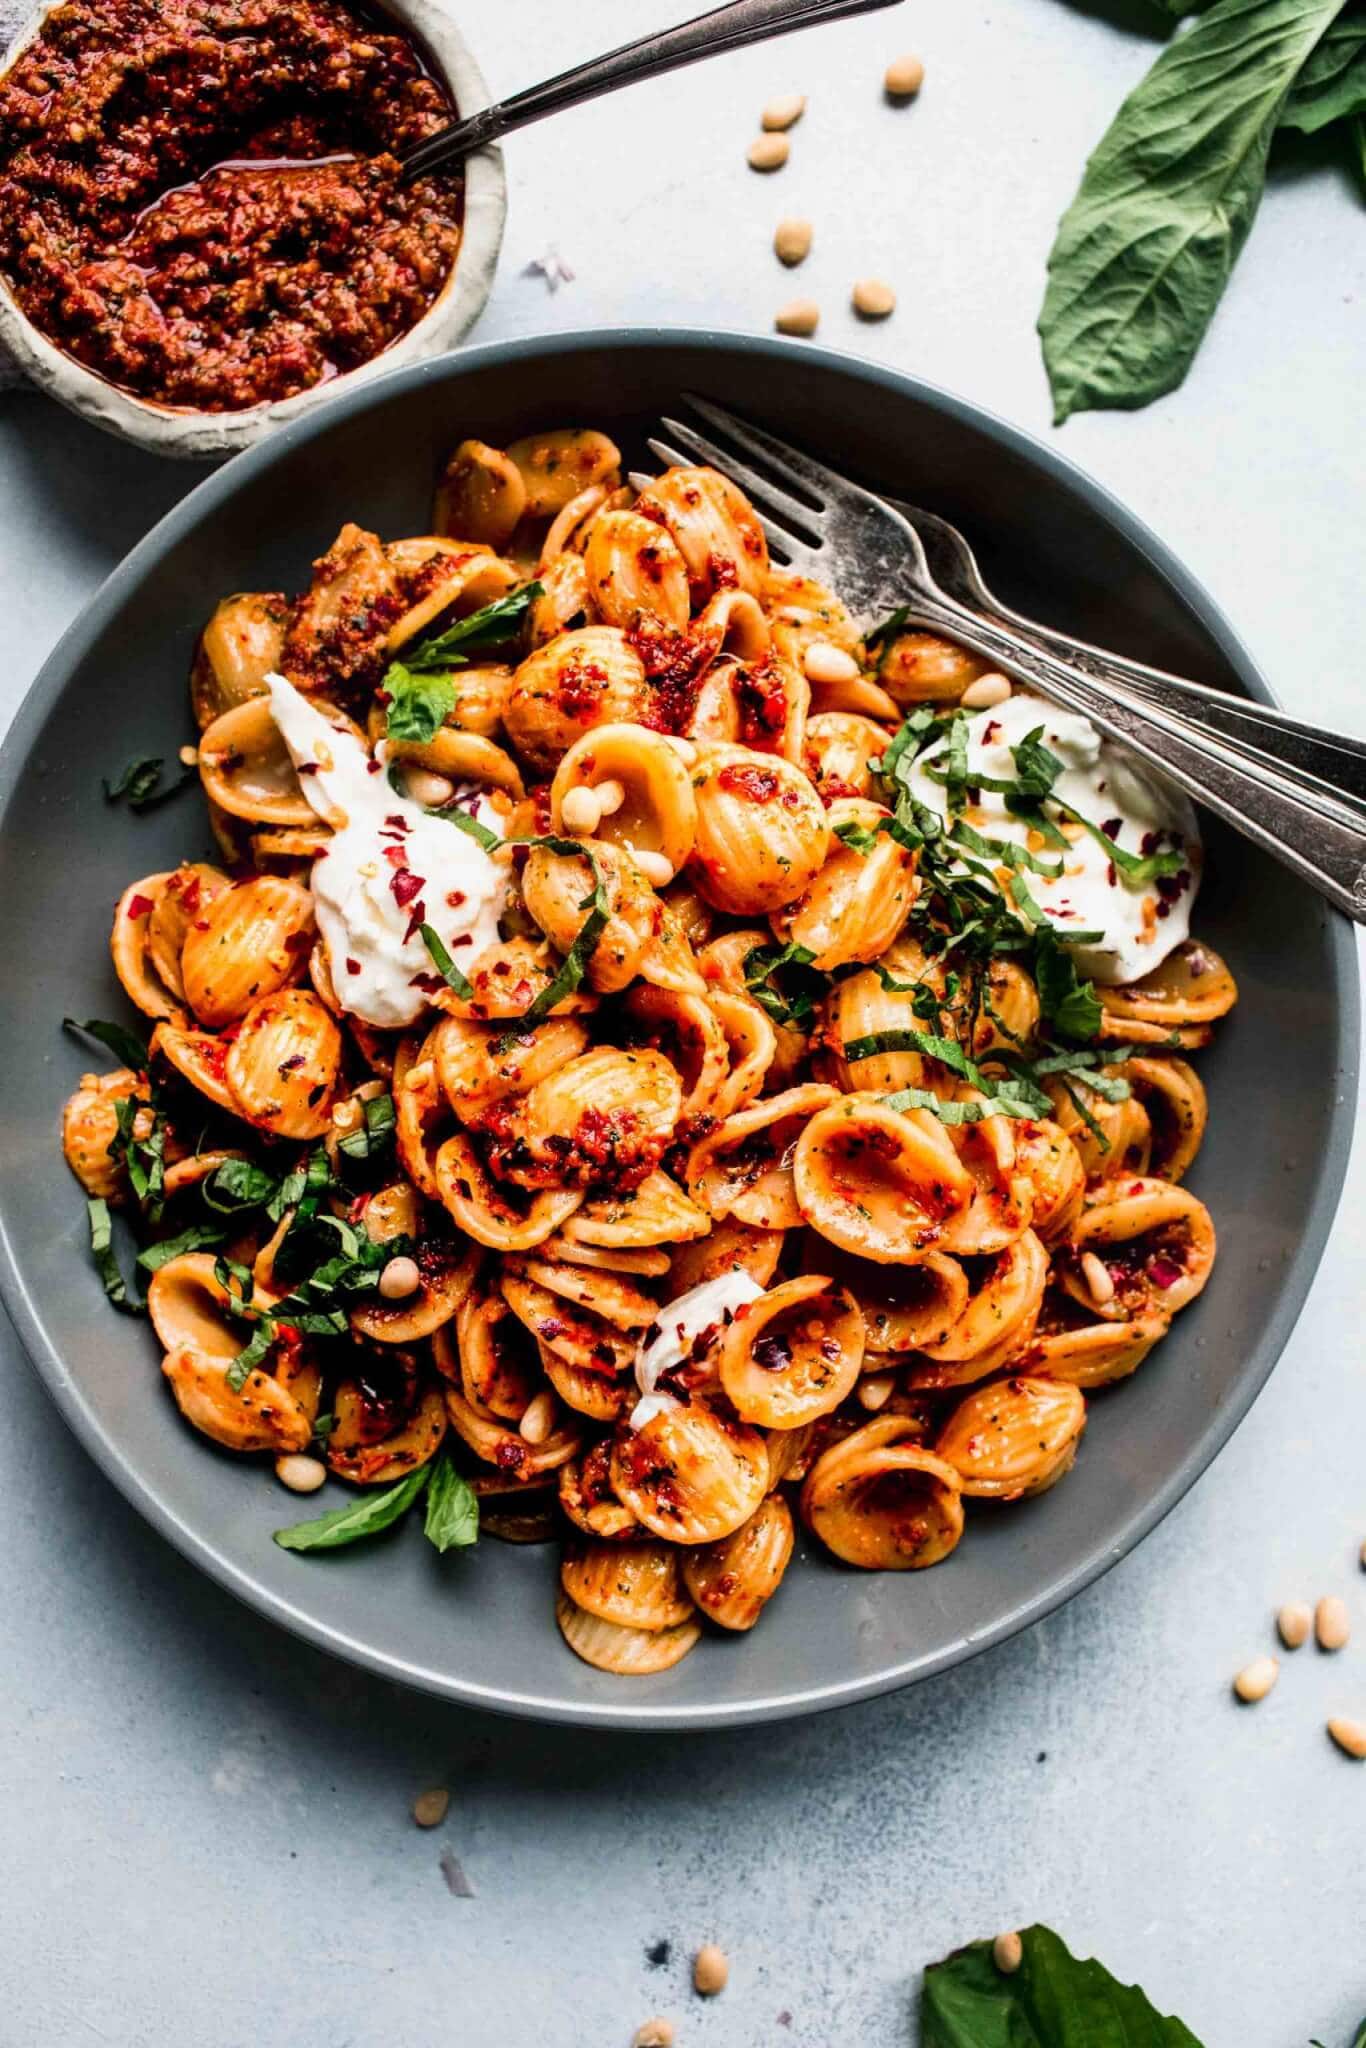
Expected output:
(479, 1628)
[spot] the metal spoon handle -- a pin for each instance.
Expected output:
(725, 28)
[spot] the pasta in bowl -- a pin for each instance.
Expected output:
(657, 1062)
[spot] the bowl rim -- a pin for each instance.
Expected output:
(75, 645)
(198, 436)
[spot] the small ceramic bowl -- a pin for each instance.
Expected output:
(200, 436)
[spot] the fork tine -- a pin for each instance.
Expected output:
(756, 487)
(781, 543)
(790, 463)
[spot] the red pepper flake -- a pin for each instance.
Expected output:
(352, 966)
(1164, 1272)
(307, 768)
(1112, 826)
(406, 885)
(416, 921)
(298, 942)
(138, 906)
(430, 984)
(395, 823)
(289, 1066)
(455, 898)
(742, 778)
(372, 767)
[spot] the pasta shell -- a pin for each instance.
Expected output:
(715, 527)
(575, 1334)
(559, 463)
(183, 898)
(732, 1581)
(751, 1044)
(499, 1365)
(199, 1058)
(919, 668)
(648, 1264)
(657, 813)
(253, 938)
(793, 1355)
(188, 1307)
(636, 1585)
(1191, 987)
(1173, 1095)
(587, 1392)
(283, 1064)
(997, 1324)
(1067, 1346)
(604, 1294)
(634, 565)
(380, 1464)
(690, 1475)
(879, 1183)
(563, 600)
(1045, 1152)
(762, 836)
(880, 1501)
(861, 1008)
(481, 495)
(838, 748)
(656, 1212)
(729, 1247)
(746, 1168)
(1007, 1013)
(446, 1272)
(685, 1030)
(261, 1415)
(505, 981)
(858, 902)
(247, 771)
(574, 521)
(440, 576)
(502, 1218)
(558, 889)
(1155, 1240)
(605, 1117)
(584, 677)
(516, 1460)
(477, 1065)
(1002, 1201)
(1112, 1138)
(237, 650)
(625, 1652)
(1015, 1437)
(903, 1306)
(90, 1124)
(462, 757)
(130, 950)
(587, 1498)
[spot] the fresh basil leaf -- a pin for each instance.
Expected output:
(1054, 2000)
(1068, 1003)
(452, 1520)
(375, 1131)
(416, 705)
(143, 1159)
(1037, 767)
(444, 964)
(360, 1518)
(237, 1185)
(128, 1049)
(139, 784)
(793, 1000)
(465, 821)
(1332, 84)
(947, 1112)
(1135, 867)
(252, 1354)
(303, 1189)
(859, 838)
(489, 627)
(106, 1261)
(891, 625)
(575, 963)
(193, 1239)
(1144, 252)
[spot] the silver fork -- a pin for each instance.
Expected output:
(819, 523)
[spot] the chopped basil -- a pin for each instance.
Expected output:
(892, 624)
(1037, 767)
(196, 1238)
(128, 1049)
(1134, 867)
(444, 964)
(237, 1185)
(419, 704)
(365, 1516)
(861, 838)
(465, 821)
(143, 1159)
(792, 999)
(575, 963)
(106, 1262)
(139, 784)
(375, 1132)
(1068, 1003)
(452, 1519)
(418, 690)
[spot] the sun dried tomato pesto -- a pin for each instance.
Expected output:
(199, 199)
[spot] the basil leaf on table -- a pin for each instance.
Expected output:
(452, 1521)
(1144, 252)
(365, 1516)
(128, 1049)
(1054, 2000)
(1332, 84)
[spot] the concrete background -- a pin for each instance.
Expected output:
(204, 1831)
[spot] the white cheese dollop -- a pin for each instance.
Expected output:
(670, 1338)
(373, 944)
(1139, 923)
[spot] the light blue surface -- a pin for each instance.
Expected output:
(205, 1825)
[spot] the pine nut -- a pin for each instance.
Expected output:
(1350, 1736)
(347, 1115)
(538, 1418)
(189, 757)
(657, 2033)
(1332, 1625)
(426, 787)
(872, 299)
(429, 1808)
(875, 1390)
(399, 1279)
(1096, 1274)
(792, 241)
(580, 811)
(300, 1474)
(655, 868)
(1007, 1952)
(1293, 1624)
(798, 316)
(710, 1969)
(610, 795)
(903, 78)
(1256, 1679)
(768, 152)
(822, 663)
(784, 111)
(1363, 1557)
(985, 693)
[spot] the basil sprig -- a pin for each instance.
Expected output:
(451, 1521)
(128, 1049)
(1052, 2000)
(418, 690)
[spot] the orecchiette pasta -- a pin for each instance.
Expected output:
(598, 1088)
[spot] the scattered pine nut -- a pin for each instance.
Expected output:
(1256, 1679)
(610, 795)
(299, 1473)
(1363, 1557)
(1350, 1736)
(538, 1418)
(799, 316)
(1293, 1623)
(822, 663)
(656, 2033)
(783, 112)
(399, 1279)
(875, 1390)
(903, 78)
(986, 693)
(792, 241)
(429, 1808)
(655, 867)
(1007, 1952)
(710, 1970)
(189, 757)
(347, 1115)
(1096, 1274)
(768, 152)
(425, 787)
(580, 810)
(1332, 1625)
(872, 299)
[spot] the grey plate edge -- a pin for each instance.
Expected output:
(1328, 1178)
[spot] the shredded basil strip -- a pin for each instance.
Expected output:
(106, 1261)
(444, 964)
(196, 1238)
(367, 1516)
(375, 1131)
(128, 1049)
(575, 963)
(1136, 867)
(947, 1112)
(451, 813)
(452, 1518)
(237, 1185)
(860, 838)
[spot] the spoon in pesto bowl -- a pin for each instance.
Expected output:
(710, 35)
